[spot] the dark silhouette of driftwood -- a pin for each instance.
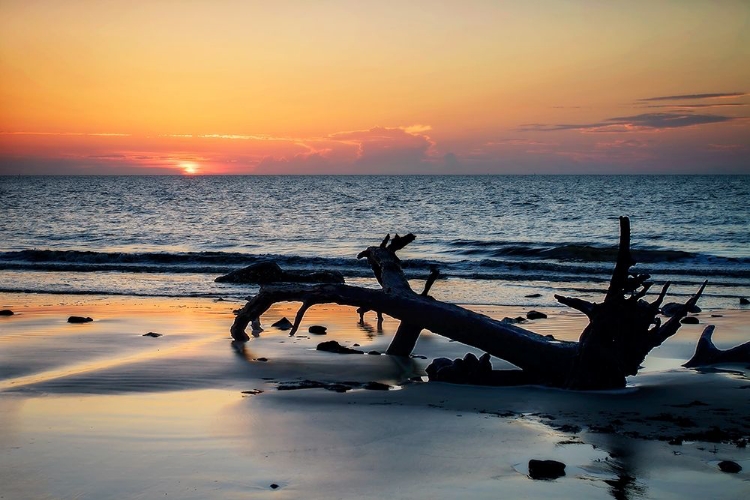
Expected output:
(621, 330)
(706, 353)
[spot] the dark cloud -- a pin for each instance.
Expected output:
(694, 96)
(78, 166)
(696, 106)
(645, 121)
(113, 156)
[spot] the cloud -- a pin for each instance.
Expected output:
(300, 164)
(76, 166)
(727, 147)
(723, 95)
(642, 122)
(376, 150)
(696, 106)
(86, 134)
(519, 142)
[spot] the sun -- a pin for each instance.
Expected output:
(189, 167)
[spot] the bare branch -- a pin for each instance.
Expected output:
(434, 274)
(584, 306)
(657, 303)
(670, 327)
(300, 314)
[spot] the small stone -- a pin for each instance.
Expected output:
(151, 334)
(335, 347)
(674, 307)
(6, 312)
(744, 301)
(374, 353)
(546, 469)
(283, 324)
(317, 330)
(730, 466)
(79, 319)
(676, 442)
(262, 360)
(535, 315)
(533, 295)
(274, 486)
(690, 320)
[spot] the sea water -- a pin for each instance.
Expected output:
(505, 240)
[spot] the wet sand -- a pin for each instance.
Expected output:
(98, 411)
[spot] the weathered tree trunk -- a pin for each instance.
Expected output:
(621, 332)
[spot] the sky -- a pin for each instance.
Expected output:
(374, 87)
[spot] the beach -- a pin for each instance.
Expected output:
(97, 410)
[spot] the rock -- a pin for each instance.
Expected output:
(485, 365)
(513, 321)
(374, 353)
(535, 315)
(314, 384)
(283, 324)
(270, 272)
(533, 295)
(471, 363)
(744, 301)
(6, 312)
(469, 370)
(151, 334)
(302, 384)
(79, 319)
(274, 486)
(546, 469)
(690, 320)
(376, 386)
(317, 330)
(253, 392)
(730, 466)
(262, 360)
(335, 347)
(437, 365)
(674, 307)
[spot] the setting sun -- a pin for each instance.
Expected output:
(189, 167)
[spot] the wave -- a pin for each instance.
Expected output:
(576, 252)
(513, 262)
(165, 262)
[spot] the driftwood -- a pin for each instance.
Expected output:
(706, 353)
(270, 272)
(621, 330)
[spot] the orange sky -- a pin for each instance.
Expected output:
(374, 87)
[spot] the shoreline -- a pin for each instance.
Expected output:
(99, 411)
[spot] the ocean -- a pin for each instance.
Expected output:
(498, 240)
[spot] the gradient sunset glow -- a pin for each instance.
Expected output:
(236, 87)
